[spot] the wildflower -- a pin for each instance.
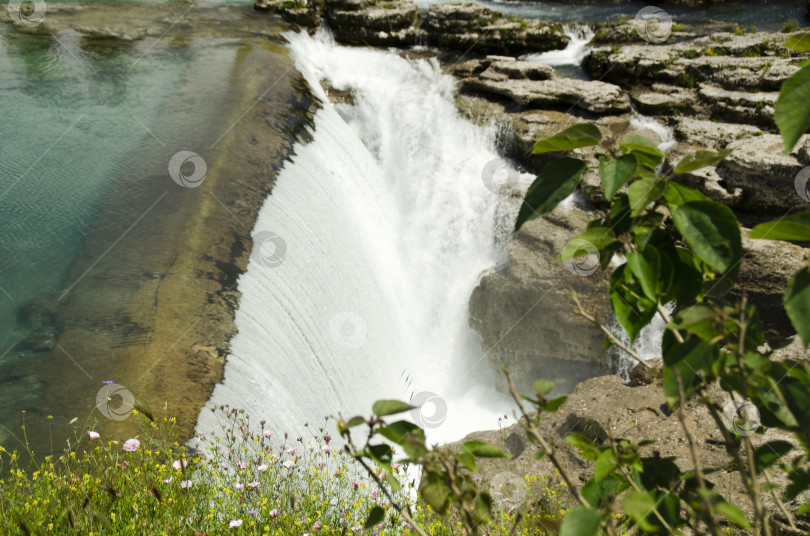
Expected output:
(289, 463)
(262, 468)
(185, 484)
(375, 494)
(326, 448)
(108, 382)
(168, 480)
(291, 451)
(395, 467)
(239, 486)
(235, 523)
(317, 526)
(131, 445)
(357, 528)
(202, 437)
(241, 465)
(355, 484)
(268, 434)
(179, 464)
(253, 513)
(93, 435)
(273, 513)
(253, 485)
(327, 437)
(478, 478)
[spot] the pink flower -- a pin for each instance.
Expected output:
(235, 523)
(274, 513)
(239, 486)
(179, 464)
(357, 528)
(262, 468)
(289, 463)
(268, 434)
(326, 448)
(395, 467)
(291, 451)
(185, 484)
(355, 484)
(202, 437)
(253, 485)
(241, 465)
(93, 435)
(327, 437)
(131, 445)
(375, 494)
(317, 526)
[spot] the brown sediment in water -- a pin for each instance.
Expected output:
(150, 300)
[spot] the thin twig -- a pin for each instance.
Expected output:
(611, 337)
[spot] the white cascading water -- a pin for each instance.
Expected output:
(579, 36)
(366, 254)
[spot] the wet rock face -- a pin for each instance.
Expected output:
(524, 313)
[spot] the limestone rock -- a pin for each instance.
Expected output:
(524, 313)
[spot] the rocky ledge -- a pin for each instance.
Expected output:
(399, 23)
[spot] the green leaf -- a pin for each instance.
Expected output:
(399, 431)
(770, 453)
(590, 242)
(712, 231)
(483, 507)
(381, 408)
(732, 513)
(646, 267)
(479, 449)
(555, 403)
(555, 182)
(375, 517)
(643, 192)
(435, 493)
(638, 506)
(799, 41)
(583, 445)
(625, 304)
(646, 152)
(688, 359)
(543, 387)
(581, 521)
(541, 453)
(698, 320)
(792, 109)
(616, 172)
(795, 227)
(580, 135)
(467, 460)
(605, 464)
(595, 491)
(797, 303)
(678, 194)
(700, 159)
(393, 483)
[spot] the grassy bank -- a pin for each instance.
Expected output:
(250, 480)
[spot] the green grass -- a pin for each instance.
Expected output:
(242, 478)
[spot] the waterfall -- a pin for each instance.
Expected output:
(366, 253)
(572, 54)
